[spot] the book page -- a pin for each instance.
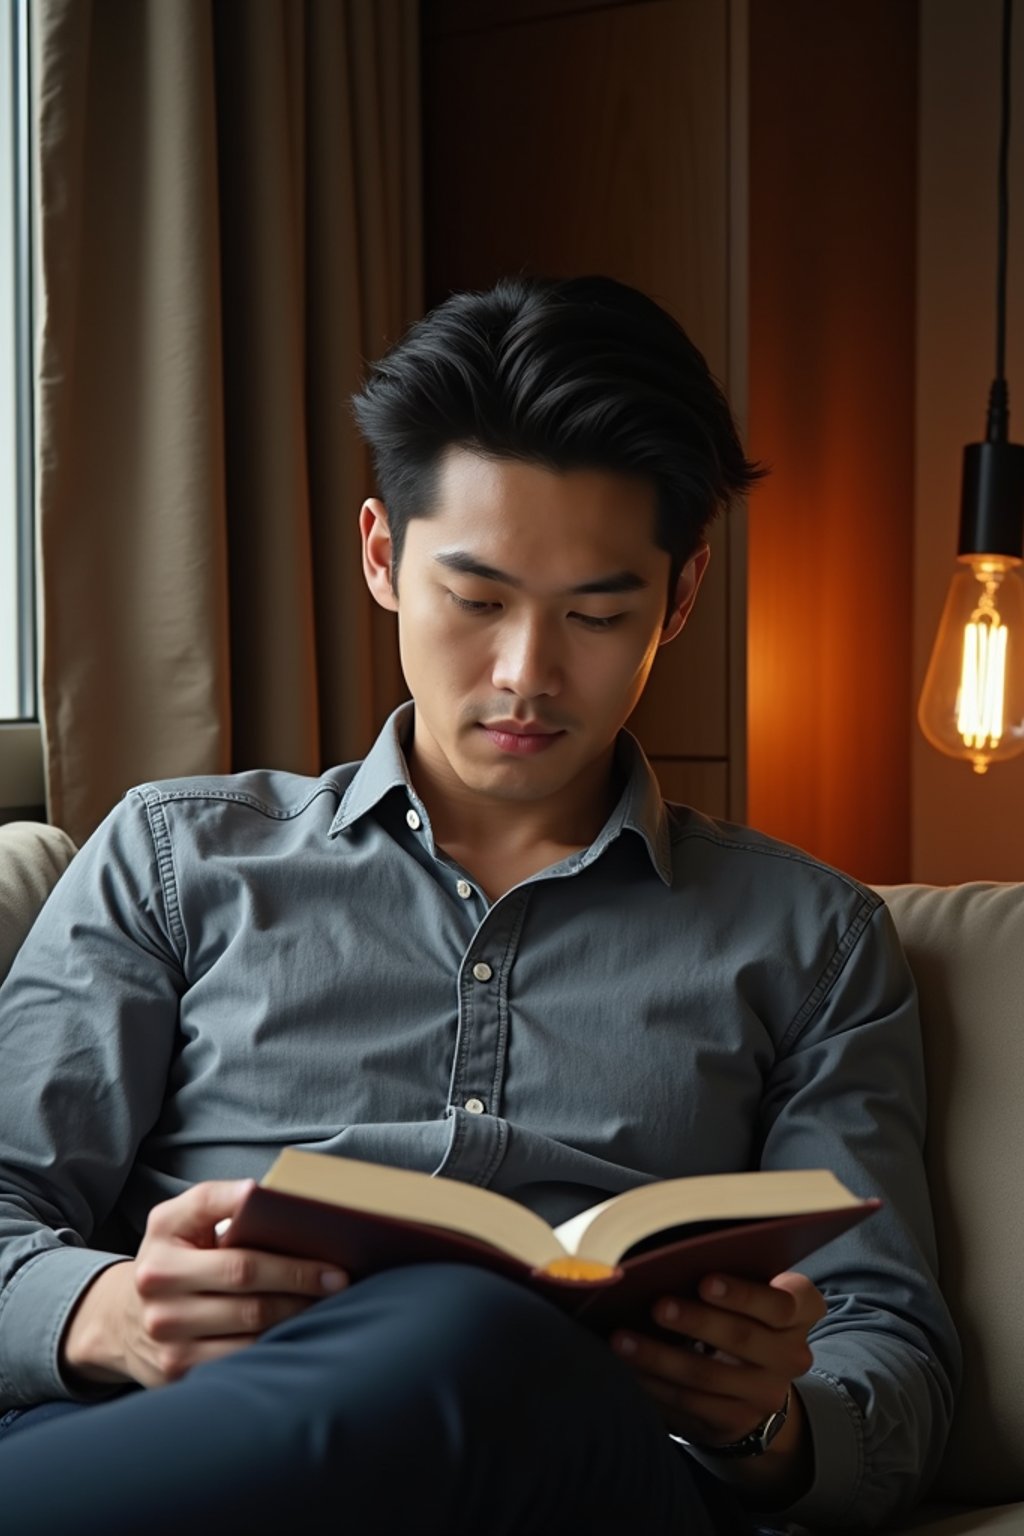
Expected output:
(416, 1197)
(606, 1231)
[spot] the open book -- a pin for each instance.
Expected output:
(657, 1239)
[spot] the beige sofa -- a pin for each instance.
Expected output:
(966, 946)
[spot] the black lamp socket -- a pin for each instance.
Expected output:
(992, 500)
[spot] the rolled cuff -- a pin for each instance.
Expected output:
(34, 1310)
(835, 1426)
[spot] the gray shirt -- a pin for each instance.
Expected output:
(235, 965)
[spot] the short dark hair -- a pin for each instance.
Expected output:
(574, 373)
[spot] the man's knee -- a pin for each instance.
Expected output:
(440, 1345)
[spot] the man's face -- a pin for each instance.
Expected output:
(531, 606)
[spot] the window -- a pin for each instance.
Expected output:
(21, 755)
(17, 626)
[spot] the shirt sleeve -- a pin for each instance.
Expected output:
(847, 1093)
(88, 1020)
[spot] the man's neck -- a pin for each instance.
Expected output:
(503, 841)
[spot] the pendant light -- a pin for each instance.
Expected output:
(972, 703)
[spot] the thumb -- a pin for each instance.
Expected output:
(808, 1301)
(194, 1216)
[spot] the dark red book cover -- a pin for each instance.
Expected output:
(362, 1244)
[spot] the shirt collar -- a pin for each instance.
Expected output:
(640, 806)
(640, 809)
(383, 769)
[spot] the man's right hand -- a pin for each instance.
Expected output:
(183, 1299)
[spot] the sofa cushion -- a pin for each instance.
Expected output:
(33, 857)
(966, 947)
(1007, 1520)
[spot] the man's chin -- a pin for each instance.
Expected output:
(509, 777)
(511, 782)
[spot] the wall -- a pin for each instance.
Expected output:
(964, 827)
(832, 106)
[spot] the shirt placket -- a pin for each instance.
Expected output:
(481, 1044)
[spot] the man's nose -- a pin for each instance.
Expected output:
(528, 662)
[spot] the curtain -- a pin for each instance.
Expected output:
(227, 203)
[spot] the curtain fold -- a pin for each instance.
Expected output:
(228, 225)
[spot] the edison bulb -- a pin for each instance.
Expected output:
(972, 703)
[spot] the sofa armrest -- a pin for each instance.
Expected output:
(965, 945)
(33, 856)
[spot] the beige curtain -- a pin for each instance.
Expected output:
(228, 224)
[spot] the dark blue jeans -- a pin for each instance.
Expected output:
(434, 1399)
(23, 1418)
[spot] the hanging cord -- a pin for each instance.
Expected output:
(997, 427)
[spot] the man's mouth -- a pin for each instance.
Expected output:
(519, 736)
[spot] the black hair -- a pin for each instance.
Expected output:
(574, 373)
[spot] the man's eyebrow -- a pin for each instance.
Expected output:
(617, 581)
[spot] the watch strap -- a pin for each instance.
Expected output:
(753, 1444)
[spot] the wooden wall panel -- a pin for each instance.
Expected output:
(832, 106)
(705, 785)
(595, 140)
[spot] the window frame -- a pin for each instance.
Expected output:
(22, 780)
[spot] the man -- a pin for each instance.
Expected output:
(490, 952)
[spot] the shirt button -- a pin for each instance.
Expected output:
(482, 971)
(464, 889)
(476, 1106)
(413, 820)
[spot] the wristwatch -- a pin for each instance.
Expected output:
(754, 1444)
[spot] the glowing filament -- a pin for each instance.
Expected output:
(982, 678)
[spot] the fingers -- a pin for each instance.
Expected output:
(194, 1304)
(218, 1317)
(746, 1318)
(165, 1269)
(191, 1300)
(193, 1216)
(682, 1370)
(700, 1396)
(745, 1342)
(738, 1338)
(180, 1254)
(788, 1301)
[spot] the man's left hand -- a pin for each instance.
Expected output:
(742, 1344)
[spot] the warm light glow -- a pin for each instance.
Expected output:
(982, 682)
(572, 1268)
(972, 704)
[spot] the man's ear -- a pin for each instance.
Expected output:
(378, 552)
(685, 594)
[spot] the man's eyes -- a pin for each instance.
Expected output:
(594, 623)
(468, 606)
(589, 621)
